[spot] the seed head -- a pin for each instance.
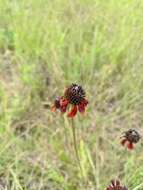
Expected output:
(132, 135)
(75, 94)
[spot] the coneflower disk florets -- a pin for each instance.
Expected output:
(75, 94)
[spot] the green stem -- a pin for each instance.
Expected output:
(75, 147)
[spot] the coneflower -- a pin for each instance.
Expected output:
(130, 138)
(74, 95)
(116, 185)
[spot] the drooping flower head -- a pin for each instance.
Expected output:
(116, 185)
(130, 138)
(73, 95)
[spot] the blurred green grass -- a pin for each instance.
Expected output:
(46, 45)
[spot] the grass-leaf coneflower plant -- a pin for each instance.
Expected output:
(130, 138)
(74, 95)
(116, 185)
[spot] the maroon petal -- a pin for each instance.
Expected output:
(81, 108)
(63, 102)
(63, 109)
(82, 105)
(73, 112)
(85, 102)
(130, 145)
(63, 105)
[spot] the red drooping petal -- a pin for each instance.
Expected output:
(124, 141)
(73, 112)
(82, 105)
(63, 108)
(63, 105)
(63, 102)
(81, 108)
(85, 102)
(130, 145)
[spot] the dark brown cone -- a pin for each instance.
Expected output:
(75, 94)
(132, 136)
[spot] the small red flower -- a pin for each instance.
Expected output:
(116, 185)
(74, 95)
(130, 138)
